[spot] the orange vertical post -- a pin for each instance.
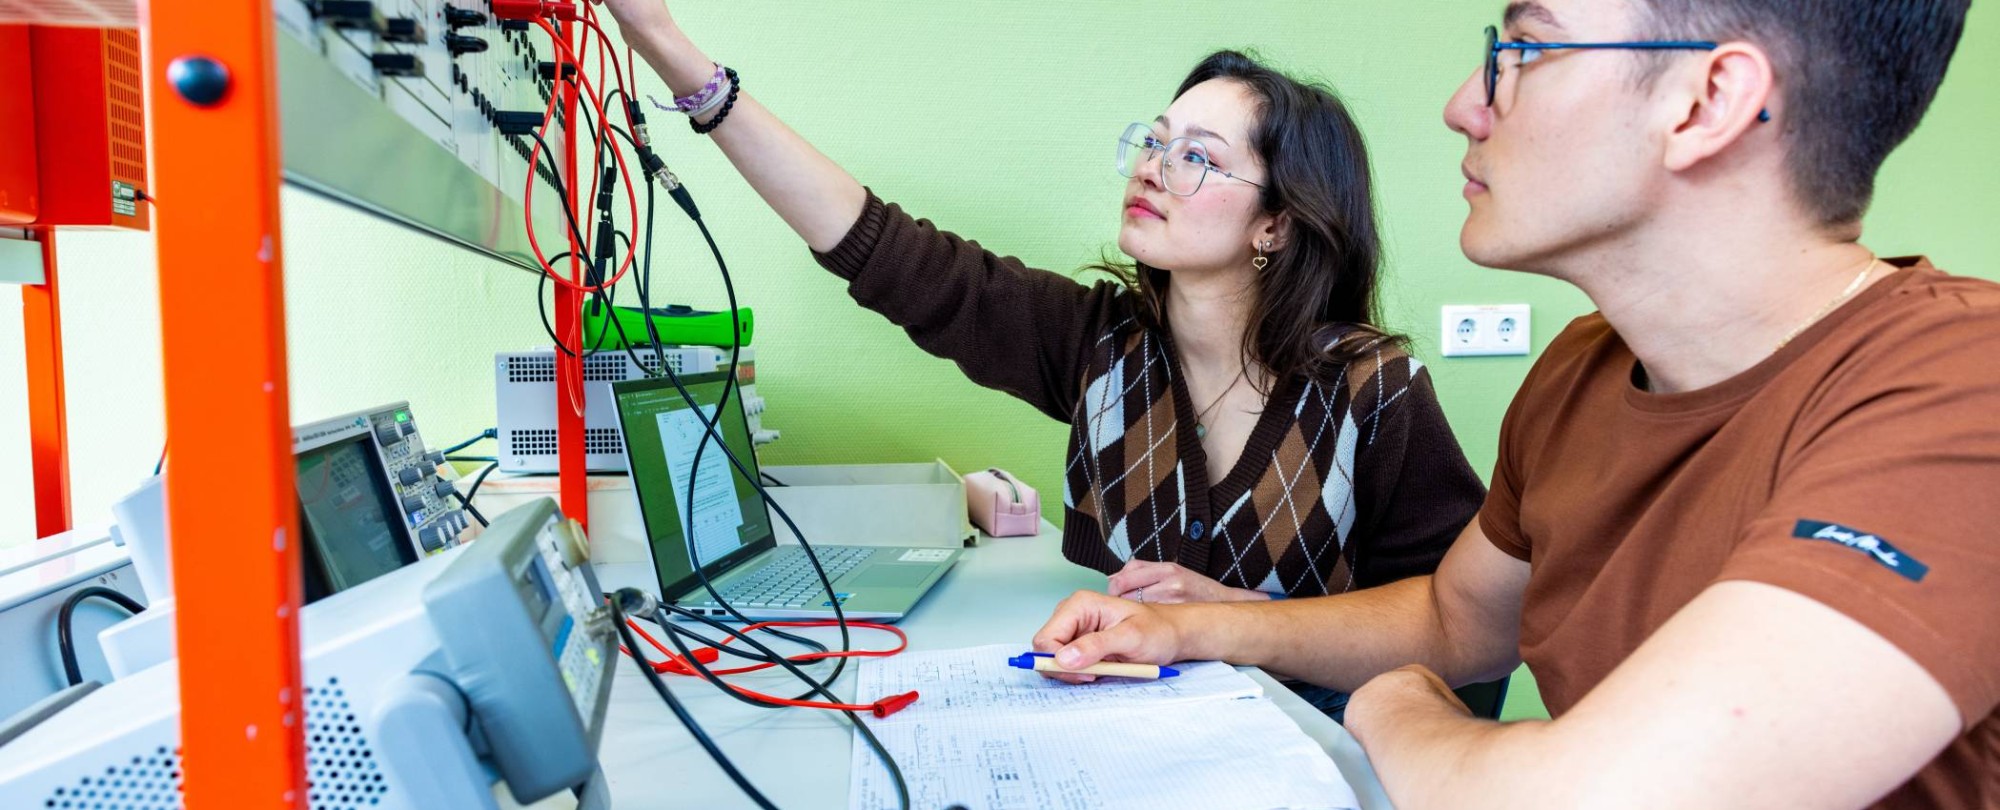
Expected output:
(231, 506)
(48, 420)
(573, 474)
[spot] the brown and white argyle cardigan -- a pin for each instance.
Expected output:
(1347, 482)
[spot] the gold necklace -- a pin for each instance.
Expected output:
(1201, 429)
(1852, 288)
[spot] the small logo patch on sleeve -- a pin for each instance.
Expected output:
(1875, 547)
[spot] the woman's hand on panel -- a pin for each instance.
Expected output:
(639, 16)
(1166, 583)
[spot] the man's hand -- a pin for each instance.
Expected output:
(1091, 627)
(1165, 583)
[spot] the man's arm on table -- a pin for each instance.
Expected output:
(1751, 696)
(1463, 621)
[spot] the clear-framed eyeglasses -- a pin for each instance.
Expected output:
(1184, 162)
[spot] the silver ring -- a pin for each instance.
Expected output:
(1142, 594)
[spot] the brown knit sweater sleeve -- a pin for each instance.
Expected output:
(1008, 326)
(1415, 492)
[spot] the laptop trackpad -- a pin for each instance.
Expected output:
(890, 576)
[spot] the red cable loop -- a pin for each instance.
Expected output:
(677, 665)
(631, 194)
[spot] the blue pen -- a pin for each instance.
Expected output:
(1046, 662)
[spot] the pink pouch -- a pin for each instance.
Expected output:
(1001, 505)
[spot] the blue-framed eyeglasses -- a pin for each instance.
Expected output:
(1494, 47)
(1184, 162)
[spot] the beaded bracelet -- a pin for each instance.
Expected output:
(734, 85)
(690, 103)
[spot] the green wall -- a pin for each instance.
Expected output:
(994, 119)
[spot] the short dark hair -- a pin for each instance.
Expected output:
(1314, 309)
(1856, 77)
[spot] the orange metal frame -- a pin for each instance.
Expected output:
(231, 503)
(48, 424)
(231, 506)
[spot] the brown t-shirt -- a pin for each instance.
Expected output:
(1859, 466)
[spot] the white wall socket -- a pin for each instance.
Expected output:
(1486, 331)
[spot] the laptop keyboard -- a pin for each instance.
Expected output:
(788, 580)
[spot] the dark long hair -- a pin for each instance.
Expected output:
(1315, 306)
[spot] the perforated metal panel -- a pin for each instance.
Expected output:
(342, 770)
(151, 781)
(125, 106)
(537, 442)
(531, 369)
(606, 366)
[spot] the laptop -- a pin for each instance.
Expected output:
(731, 529)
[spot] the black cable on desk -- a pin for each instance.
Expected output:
(700, 736)
(65, 617)
(643, 281)
(712, 430)
(674, 633)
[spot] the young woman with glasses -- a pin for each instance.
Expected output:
(1242, 426)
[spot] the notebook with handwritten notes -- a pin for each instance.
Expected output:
(986, 736)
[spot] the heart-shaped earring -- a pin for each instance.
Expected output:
(1261, 262)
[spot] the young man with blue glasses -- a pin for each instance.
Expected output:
(1742, 526)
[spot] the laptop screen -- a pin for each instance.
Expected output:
(730, 521)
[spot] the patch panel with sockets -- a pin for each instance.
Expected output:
(421, 111)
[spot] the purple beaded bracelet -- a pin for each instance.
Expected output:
(688, 104)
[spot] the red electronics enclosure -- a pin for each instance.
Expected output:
(20, 191)
(90, 127)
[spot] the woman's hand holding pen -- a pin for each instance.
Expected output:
(1164, 583)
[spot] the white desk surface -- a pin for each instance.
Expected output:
(1000, 592)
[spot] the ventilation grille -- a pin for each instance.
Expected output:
(152, 781)
(604, 366)
(125, 106)
(610, 367)
(542, 442)
(341, 768)
(531, 369)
